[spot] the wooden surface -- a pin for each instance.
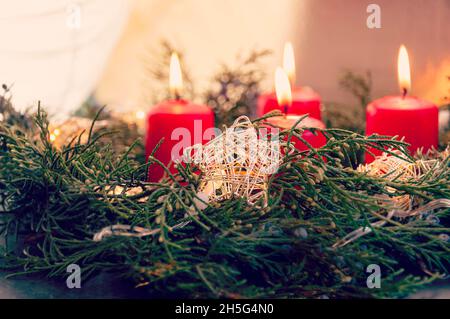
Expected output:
(105, 286)
(102, 286)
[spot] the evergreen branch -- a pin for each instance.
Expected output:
(54, 200)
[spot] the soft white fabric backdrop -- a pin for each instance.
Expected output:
(46, 58)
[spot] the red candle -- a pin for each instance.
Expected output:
(180, 122)
(283, 92)
(288, 121)
(411, 118)
(304, 99)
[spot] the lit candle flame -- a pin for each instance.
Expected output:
(289, 62)
(140, 114)
(175, 76)
(403, 69)
(283, 89)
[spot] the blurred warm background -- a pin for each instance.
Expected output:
(110, 51)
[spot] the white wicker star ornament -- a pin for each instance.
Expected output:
(237, 163)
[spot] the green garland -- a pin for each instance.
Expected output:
(54, 200)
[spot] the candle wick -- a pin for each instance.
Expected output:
(405, 91)
(285, 109)
(177, 96)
